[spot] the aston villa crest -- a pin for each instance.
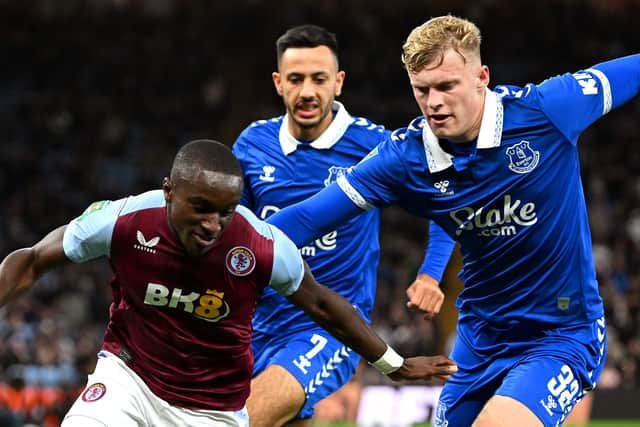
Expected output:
(522, 158)
(240, 261)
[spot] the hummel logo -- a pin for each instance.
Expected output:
(442, 186)
(268, 170)
(146, 245)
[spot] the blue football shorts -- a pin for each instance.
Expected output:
(321, 363)
(549, 372)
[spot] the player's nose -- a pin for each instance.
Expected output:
(308, 90)
(435, 100)
(211, 223)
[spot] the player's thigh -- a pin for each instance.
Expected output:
(462, 398)
(581, 413)
(468, 390)
(106, 401)
(503, 411)
(548, 385)
(276, 397)
(177, 416)
(82, 421)
(115, 396)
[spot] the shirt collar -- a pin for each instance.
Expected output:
(326, 140)
(490, 134)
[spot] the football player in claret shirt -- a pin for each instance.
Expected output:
(499, 171)
(287, 159)
(189, 265)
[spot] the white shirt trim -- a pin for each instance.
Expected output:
(353, 194)
(490, 134)
(326, 140)
(606, 89)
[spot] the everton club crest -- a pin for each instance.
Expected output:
(522, 158)
(334, 173)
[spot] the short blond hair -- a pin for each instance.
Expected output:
(429, 42)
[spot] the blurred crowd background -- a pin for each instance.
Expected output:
(97, 95)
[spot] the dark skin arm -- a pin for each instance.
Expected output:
(22, 267)
(335, 314)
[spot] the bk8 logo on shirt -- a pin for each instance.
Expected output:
(210, 305)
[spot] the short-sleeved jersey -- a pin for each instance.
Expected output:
(280, 170)
(183, 323)
(515, 204)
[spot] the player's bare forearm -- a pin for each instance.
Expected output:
(16, 273)
(22, 267)
(335, 314)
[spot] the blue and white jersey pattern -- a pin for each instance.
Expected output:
(281, 170)
(515, 204)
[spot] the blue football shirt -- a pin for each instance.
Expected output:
(280, 170)
(514, 203)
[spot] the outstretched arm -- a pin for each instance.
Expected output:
(424, 293)
(335, 314)
(21, 268)
(323, 212)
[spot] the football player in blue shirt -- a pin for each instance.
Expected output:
(288, 159)
(499, 171)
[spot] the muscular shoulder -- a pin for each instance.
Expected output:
(259, 132)
(256, 224)
(363, 131)
(90, 235)
(407, 138)
(287, 269)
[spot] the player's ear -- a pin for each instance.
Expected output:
(483, 77)
(339, 82)
(167, 187)
(277, 82)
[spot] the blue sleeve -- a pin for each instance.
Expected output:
(310, 219)
(241, 150)
(623, 75)
(439, 249)
(589, 94)
(377, 178)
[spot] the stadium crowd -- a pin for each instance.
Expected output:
(96, 95)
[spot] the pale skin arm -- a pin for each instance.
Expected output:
(425, 295)
(23, 267)
(335, 314)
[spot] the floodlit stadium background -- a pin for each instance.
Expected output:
(96, 95)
